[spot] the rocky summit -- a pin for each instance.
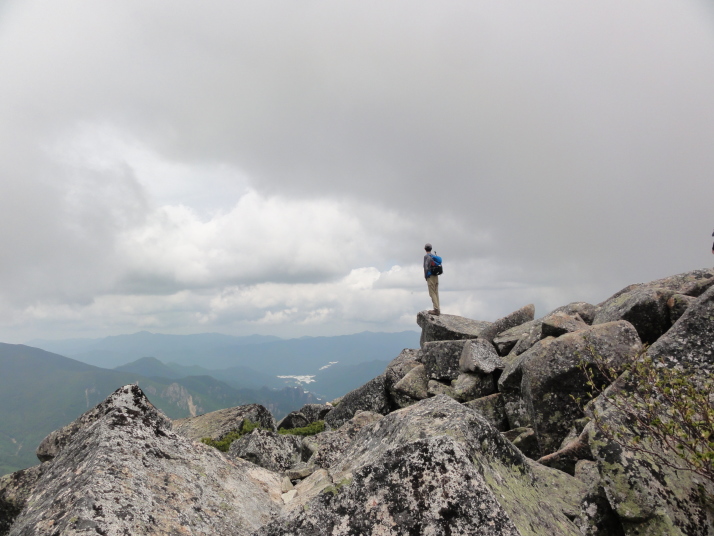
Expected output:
(485, 429)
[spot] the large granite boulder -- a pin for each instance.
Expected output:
(530, 333)
(492, 409)
(436, 468)
(53, 444)
(692, 283)
(325, 448)
(448, 327)
(15, 489)
(397, 369)
(276, 452)
(643, 307)
(553, 379)
(315, 412)
(292, 420)
(516, 318)
(507, 340)
(479, 356)
(648, 496)
(690, 341)
(441, 359)
(411, 388)
(219, 424)
(128, 473)
(559, 323)
(372, 396)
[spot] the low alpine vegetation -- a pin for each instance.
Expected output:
(224, 443)
(665, 413)
(311, 429)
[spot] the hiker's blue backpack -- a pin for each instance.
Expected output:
(436, 267)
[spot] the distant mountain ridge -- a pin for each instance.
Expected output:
(40, 390)
(216, 351)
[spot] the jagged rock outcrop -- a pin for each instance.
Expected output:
(552, 377)
(560, 323)
(326, 448)
(294, 419)
(277, 452)
(492, 409)
(448, 327)
(690, 341)
(15, 489)
(218, 424)
(444, 442)
(399, 477)
(372, 396)
(411, 388)
(516, 318)
(126, 472)
(441, 359)
(480, 356)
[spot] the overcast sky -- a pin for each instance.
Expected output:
(276, 167)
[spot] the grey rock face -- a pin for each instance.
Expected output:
(648, 497)
(516, 318)
(690, 341)
(53, 444)
(510, 385)
(586, 311)
(441, 359)
(402, 365)
(692, 283)
(436, 467)
(219, 424)
(435, 388)
(552, 377)
(472, 386)
(276, 452)
(15, 488)
(643, 307)
(557, 324)
(372, 396)
(128, 473)
(327, 447)
(506, 341)
(479, 356)
(292, 420)
(492, 409)
(529, 338)
(448, 327)
(315, 412)
(411, 388)
(530, 333)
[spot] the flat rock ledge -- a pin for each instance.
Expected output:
(448, 327)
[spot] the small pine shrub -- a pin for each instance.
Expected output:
(311, 429)
(224, 443)
(671, 409)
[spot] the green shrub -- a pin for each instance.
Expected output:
(311, 429)
(224, 443)
(664, 412)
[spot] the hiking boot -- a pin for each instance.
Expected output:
(434, 312)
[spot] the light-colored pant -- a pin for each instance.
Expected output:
(433, 284)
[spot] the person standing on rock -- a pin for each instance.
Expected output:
(432, 280)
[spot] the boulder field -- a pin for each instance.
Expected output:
(485, 429)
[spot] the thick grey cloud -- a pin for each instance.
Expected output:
(552, 150)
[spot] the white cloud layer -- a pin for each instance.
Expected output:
(276, 167)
